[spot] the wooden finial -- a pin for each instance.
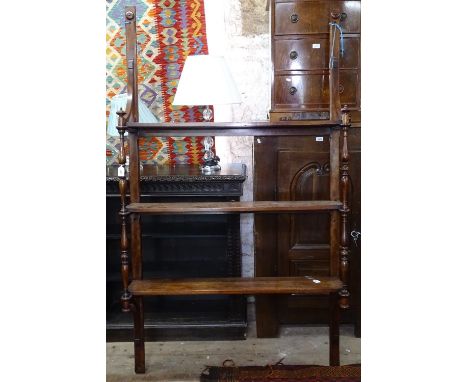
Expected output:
(121, 114)
(345, 116)
(129, 15)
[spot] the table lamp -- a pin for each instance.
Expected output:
(206, 80)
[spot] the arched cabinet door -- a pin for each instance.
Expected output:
(291, 168)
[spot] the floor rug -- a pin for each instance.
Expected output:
(282, 373)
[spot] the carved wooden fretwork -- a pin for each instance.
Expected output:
(188, 188)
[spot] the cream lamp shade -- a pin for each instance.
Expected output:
(206, 80)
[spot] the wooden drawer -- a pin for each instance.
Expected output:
(301, 17)
(311, 91)
(305, 17)
(351, 10)
(301, 90)
(312, 53)
(301, 54)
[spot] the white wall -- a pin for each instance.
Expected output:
(248, 56)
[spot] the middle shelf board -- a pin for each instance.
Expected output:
(318, 285)
(235, 207)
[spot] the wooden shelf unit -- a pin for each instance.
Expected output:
(335, 285)
(236, 285)
(233, 207)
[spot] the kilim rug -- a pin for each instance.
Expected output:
(282, 373)
(167, 32)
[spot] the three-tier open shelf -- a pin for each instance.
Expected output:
(136, 287)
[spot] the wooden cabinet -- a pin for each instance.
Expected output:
(300, 52)
(177, 247)
(292, 168)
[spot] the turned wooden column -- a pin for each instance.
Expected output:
(134, 180)
(344, 211)
(124, 258)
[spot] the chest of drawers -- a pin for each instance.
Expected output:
(300, 54)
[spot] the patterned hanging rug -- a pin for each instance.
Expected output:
(167, 32)
(282, 373)
(180, 31)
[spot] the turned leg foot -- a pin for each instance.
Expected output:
(334, 330)
(139, 336)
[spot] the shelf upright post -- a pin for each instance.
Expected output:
(133, 149)
(134, 178)
(344, 211)
(334, 73)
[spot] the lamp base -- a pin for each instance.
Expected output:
(207, 114)
(207, 169)
(210, 160)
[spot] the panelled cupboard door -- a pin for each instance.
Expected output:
(297, 168)
(303, 239)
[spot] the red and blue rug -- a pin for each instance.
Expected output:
(167, 32)
(282, 373)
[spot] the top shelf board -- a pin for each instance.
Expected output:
(201, 129)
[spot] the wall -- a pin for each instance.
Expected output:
(239, 30)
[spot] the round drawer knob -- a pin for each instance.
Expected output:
(293, 55)
(340, 89)
(294, 18)
(337, 15)
(292, 90)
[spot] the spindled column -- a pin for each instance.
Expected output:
(124, 258)
(344, 211)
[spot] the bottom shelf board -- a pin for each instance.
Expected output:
(237, 286)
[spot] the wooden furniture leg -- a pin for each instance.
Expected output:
(139, 336)
(334, 332)
(266, 316)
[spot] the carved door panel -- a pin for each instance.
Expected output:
(298, 244)
(304, 239)
(304, 245)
